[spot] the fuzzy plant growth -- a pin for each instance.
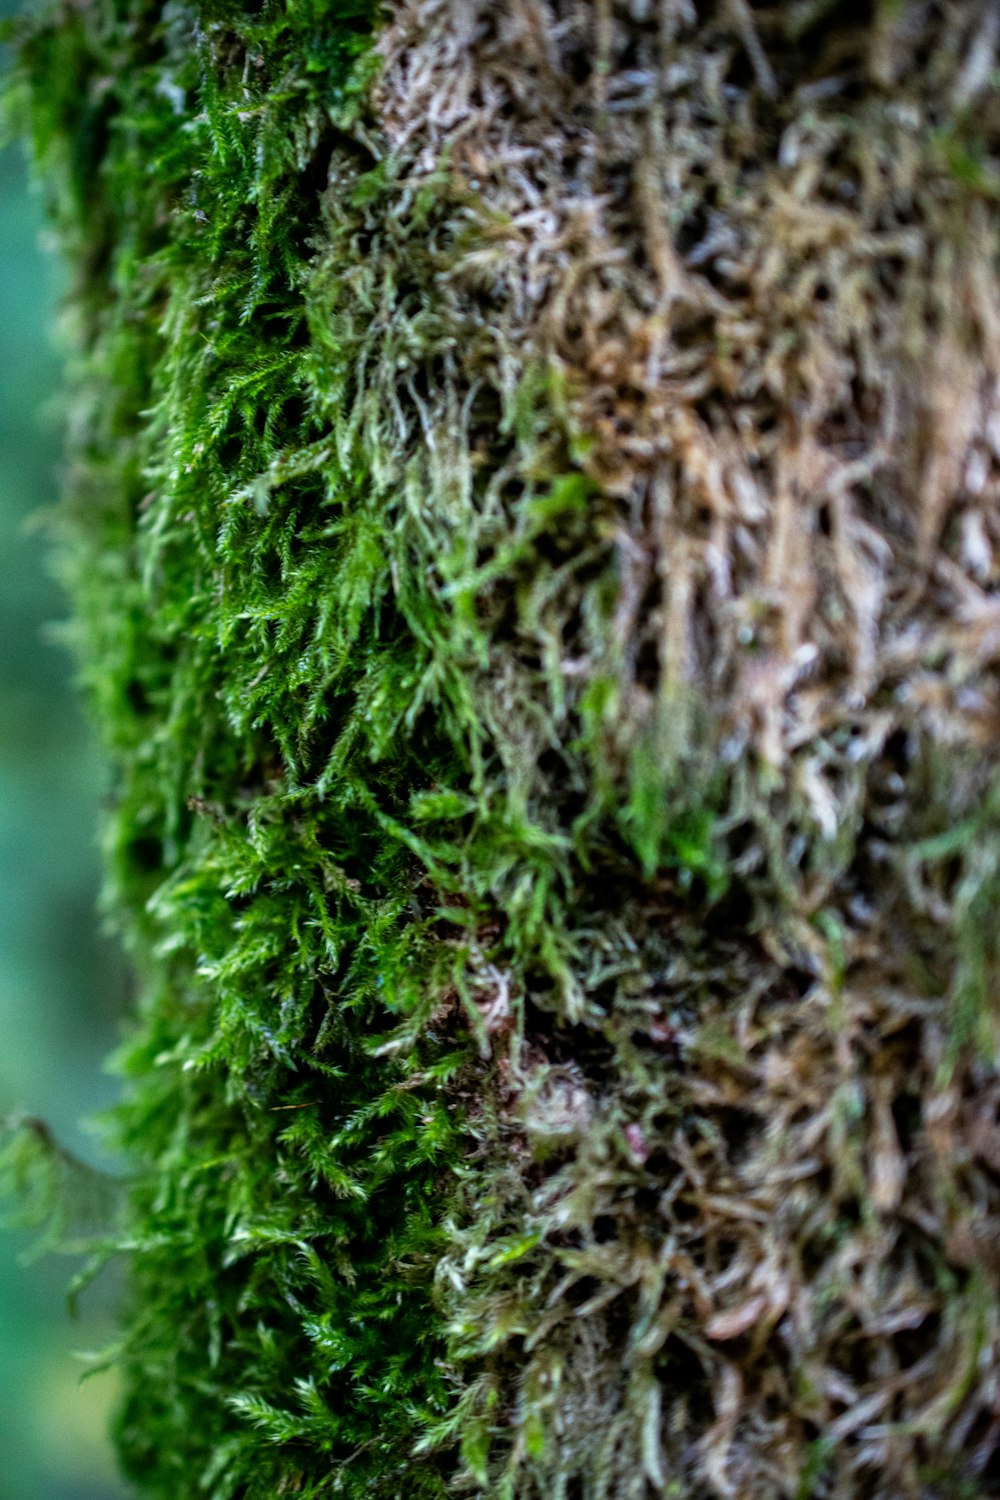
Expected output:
(532, 515)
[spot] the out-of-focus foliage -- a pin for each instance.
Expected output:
(59, 986)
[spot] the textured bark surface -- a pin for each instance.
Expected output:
(535, 525)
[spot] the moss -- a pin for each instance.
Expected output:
(537, 619)
(233, 596)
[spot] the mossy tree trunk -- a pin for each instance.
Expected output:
(532, 512)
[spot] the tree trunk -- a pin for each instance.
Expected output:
(532, 513)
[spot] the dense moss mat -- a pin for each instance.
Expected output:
(532, 515)
(236, 645)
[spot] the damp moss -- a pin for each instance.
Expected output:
(237, 630)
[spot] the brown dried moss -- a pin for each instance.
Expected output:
(687, 343)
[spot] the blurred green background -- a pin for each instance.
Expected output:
(60, 981)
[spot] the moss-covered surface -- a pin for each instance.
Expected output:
(532, 514)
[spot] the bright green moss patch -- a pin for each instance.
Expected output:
(238, 632)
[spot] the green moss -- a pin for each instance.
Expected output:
(240, 644)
